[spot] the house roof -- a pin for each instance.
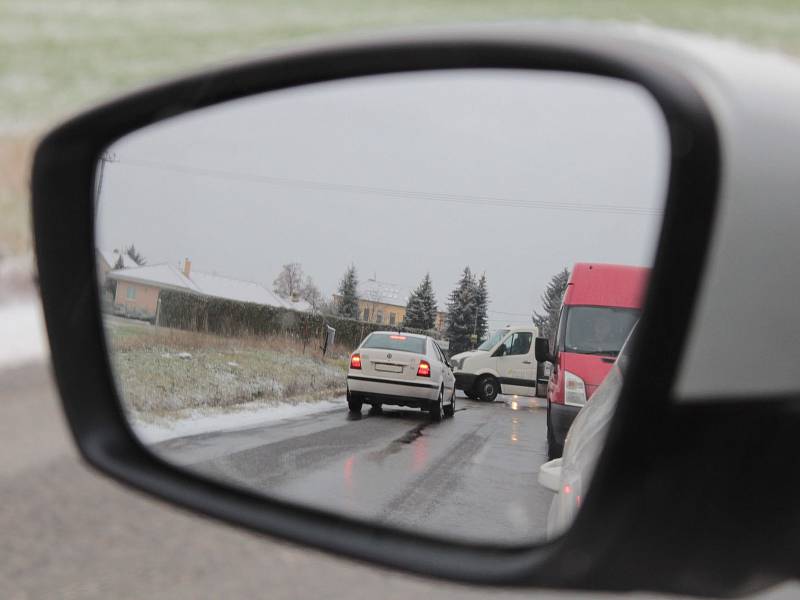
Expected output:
(234, 289)
(161, 275)
(112, 256)
(383, 292)
(167, 276)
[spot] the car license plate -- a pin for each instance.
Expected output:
(388, 368)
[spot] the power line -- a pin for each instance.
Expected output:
(465, 199)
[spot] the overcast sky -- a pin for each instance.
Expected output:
(516, 174)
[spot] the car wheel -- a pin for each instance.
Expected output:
(488, 388)
(554, 449)
(450, 409)
(471, 395)
(354, 403)
(377, 408)
(436, 409)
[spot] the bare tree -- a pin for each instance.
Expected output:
(289, 283)
(311, 294)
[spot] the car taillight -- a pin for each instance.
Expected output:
(424, 369)
(355, 361)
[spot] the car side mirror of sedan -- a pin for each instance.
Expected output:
(550, 474)
(615, 144)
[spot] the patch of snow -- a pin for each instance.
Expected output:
(22, 333)
(184, 355)
(206, 421)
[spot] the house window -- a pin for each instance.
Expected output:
(366, 314)
(131, 292)
(392, 317)
(379, 317)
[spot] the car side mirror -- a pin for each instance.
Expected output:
(550, 474)
(123, 392)
(542, 350)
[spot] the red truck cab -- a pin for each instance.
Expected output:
(601, 305)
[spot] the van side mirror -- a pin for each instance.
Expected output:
(542, 350)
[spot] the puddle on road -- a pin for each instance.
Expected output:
(397, 444)
(410, 435)
(524, 402)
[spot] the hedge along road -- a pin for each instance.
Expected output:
(206, 314)
(472, 477)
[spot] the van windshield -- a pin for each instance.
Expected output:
(493, 340)
(598, 329)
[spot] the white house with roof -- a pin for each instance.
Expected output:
(139, 289)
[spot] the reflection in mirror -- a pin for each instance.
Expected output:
(286, 277)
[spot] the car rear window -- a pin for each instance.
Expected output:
(395, 341)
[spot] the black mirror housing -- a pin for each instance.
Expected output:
(629, 530)
(542, 350)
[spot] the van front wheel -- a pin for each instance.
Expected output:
(488, 387)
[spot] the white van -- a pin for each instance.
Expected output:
(504, 363)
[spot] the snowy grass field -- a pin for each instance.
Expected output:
(57, 56)
(166, 376)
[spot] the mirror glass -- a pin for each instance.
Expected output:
(331, 294)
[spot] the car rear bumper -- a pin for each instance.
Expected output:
(411, 393)
(465, 381)
(561, 418)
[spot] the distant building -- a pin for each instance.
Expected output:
(139, 289)
(385, 303)
(107, 261)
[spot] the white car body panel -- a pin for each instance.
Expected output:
(393, 373)
(394, 389)
(570, 475)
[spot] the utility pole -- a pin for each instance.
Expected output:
(106, 157)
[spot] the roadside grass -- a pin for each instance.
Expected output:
(166, 373)
(15, 227)
(58, 55)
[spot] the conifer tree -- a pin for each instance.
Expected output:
(134, 255)
(348, 294)
(547, 320)
(421, 307)
(461, 313)
(482, 308)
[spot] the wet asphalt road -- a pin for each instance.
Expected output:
(472, 477)
(69, 532)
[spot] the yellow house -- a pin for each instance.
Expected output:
(385, 303)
